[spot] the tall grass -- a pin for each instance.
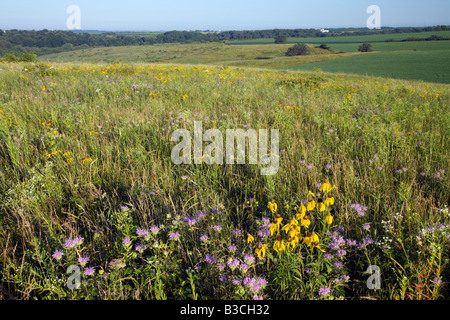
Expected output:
(85, 151)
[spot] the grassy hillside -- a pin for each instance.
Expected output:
(272, 56)
(87, 180)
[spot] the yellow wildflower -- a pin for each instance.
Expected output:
(261, 251)
(305, 222)
(311, 205)
(275, 225)
(272, 206)
(308, 239)
(325, 187)
(250, 238)
(310, 194)
(316, 245)
(289, 225)
(89, 159)
(314, 237)
(279, 245)
(329, 218)
(320, 205)
(279, 218)
(290, 245)
(329, 201)
(301, 212)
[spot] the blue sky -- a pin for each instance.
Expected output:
(150, 15)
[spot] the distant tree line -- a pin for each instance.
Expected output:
(50, 41)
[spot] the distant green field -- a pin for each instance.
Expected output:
(421, 60)
(432, 66)
(395, 46)
(350, 39)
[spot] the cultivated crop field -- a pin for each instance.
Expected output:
(87, 183)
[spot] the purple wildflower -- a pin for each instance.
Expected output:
(210, 259)
(57, 254)
(328, 256)
(223, 278)
(83, 260)
(174, 235)
(333, 245)
(89, 271)
(233, 263)
(249, 259)
(204, 238)
(126, 241)
(72, 242)
(140, 247)
(264, 233)
(154, 229)
(324, 291)
(217, 227)
(142, 233)
(243, 266)
(201, 214)
(190, 220)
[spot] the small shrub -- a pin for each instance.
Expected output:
(280, 39)
(298, 49)
(9, 57)
(365, 47)
(28, 57)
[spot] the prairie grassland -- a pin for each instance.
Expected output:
(218, 54)
(87, 179)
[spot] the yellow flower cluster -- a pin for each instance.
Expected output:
(86, 160)
(293, 228)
